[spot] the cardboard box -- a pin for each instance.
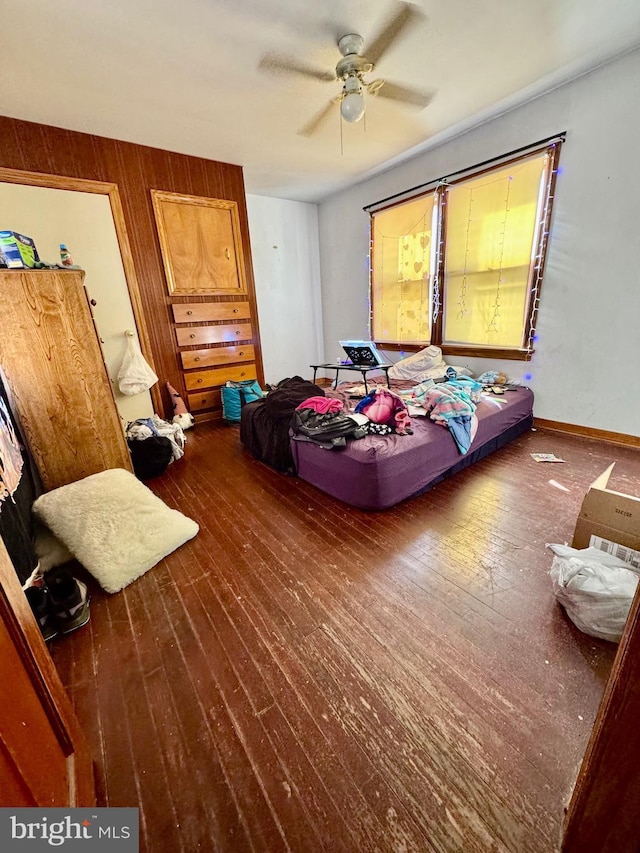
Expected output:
(17, 251)
(610, 521)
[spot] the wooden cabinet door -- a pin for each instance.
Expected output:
(44, 759)
(50, 354)
(201, 245)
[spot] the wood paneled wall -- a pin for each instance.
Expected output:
(136, 169)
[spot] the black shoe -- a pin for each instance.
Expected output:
(37, 598)
(67, 600)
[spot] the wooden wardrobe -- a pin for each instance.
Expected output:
(52, 360)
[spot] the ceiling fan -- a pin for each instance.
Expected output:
(352, 68)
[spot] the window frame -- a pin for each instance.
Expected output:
(536, 268)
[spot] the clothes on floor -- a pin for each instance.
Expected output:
(143, 428)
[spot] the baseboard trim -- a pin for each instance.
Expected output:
(589, 432)
(207, 416)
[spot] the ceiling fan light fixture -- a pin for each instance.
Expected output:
(352, 103)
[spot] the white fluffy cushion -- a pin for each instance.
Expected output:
(426, 360)
(427, 363)
(114, 525)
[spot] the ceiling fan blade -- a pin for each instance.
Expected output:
(386, 89)
(319, 118)
(278, 64)
(407, 16)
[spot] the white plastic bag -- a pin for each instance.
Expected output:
(135, 374)
(595, 588)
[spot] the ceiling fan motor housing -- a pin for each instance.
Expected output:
(353, 64)
(350, 43)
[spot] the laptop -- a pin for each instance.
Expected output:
(364, 353)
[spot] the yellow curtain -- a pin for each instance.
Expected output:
(490, 230)
(401, 259)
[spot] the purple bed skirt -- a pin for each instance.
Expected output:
(377, 472)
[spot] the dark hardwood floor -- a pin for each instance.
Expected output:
(305, 676)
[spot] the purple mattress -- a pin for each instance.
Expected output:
(376, 472)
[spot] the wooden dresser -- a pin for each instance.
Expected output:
(214, 353)
(51, 356)
(212, 303)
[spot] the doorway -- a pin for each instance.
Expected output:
(87, 217)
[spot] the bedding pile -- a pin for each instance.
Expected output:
(428, 363)
(330, 422)
(453, 405)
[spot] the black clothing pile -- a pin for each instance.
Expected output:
(329, 430)
(265, 424)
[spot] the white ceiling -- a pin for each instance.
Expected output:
(184, 74)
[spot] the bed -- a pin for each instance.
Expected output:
(376, 472)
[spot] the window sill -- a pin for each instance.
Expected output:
(487, 352)
(462, 350)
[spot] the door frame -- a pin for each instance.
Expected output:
(62, 182)
(27, 640)
(604, 812)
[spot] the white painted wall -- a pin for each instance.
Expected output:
(286, 265)
(83, 221)
(586, 369)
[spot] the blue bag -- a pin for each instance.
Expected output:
(237, 394)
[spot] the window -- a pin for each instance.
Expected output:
(461, 264)
(402, 272)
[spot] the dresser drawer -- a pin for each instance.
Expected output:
(207, 400)
(214, 334)
(215, 357)
(218, 376)
(206, 312)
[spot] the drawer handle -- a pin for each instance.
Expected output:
(235, 310)
(240, 353)
(197, 358)
(192, 336)
(199, 380)
(189, 313)
(243, 373)
(238, 333)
